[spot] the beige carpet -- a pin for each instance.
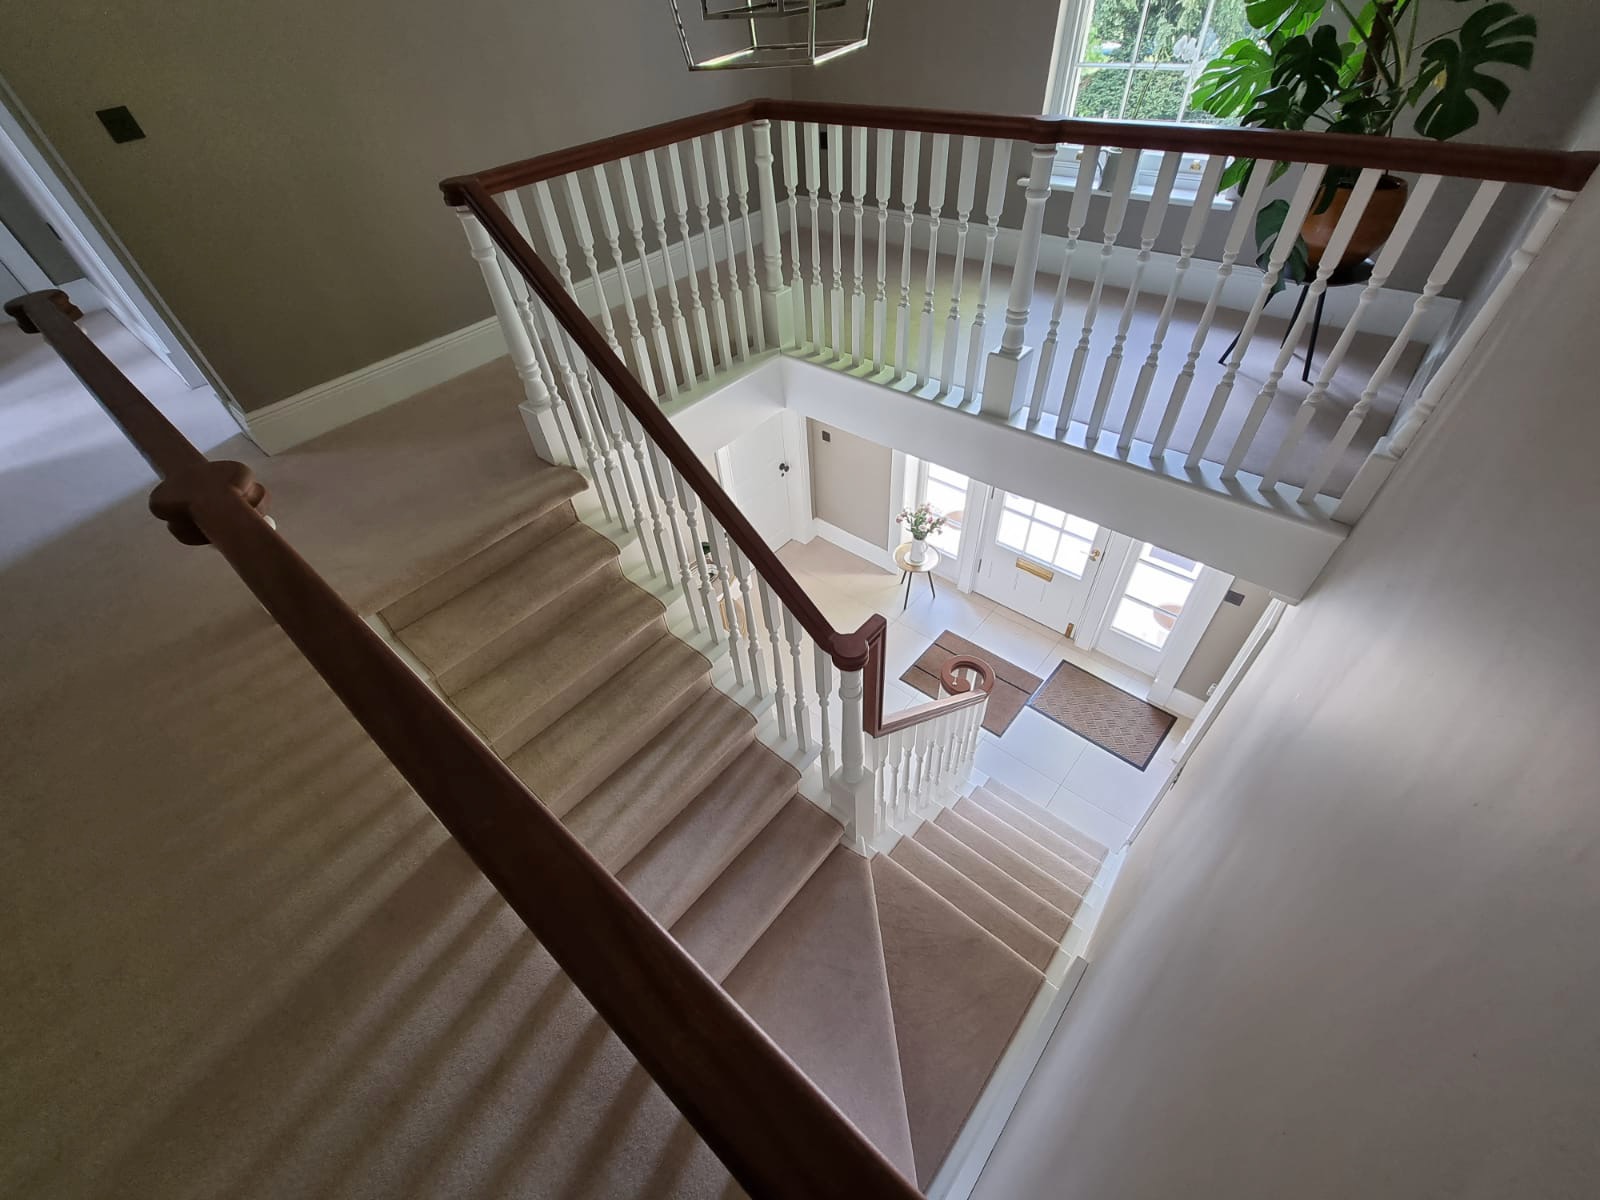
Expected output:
(1111, 718)
(1012, 685)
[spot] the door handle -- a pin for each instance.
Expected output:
(1094, 554)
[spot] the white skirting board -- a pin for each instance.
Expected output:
(878, 556)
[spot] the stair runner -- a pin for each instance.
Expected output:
(895, 983)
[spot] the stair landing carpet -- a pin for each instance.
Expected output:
(1105, 714)
(1012, 685)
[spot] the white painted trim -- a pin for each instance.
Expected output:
(327, 406)
(1182, 704)
(15, 258)
(876, 555)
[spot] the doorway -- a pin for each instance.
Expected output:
(762, 470)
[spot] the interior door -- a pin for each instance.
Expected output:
(762, 477)
(1038, 560)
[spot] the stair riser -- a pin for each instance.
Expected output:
(1014, 839)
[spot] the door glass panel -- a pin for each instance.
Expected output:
(1046, 534)
(1157, 589)
(1042, 541)
(947, 492)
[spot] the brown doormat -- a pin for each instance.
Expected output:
(1012, 685)
(1105, 714)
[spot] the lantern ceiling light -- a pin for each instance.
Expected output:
(780, 33)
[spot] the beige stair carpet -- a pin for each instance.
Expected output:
(1074, 852)
(1049, 820)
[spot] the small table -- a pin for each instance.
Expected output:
(910, 570)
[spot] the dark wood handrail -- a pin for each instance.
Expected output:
(963, 694)
(777, 1134)
(1566, 169)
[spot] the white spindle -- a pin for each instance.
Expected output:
(636, 442)
(608, 228)
(993, 204)
(1077, 216)
(691, 516)
(1416, 202)
(795, 635)
(835, 202)
(658, 330)
(741, 323)
(823, 671)
(1244, 217)
(577, 407)
(1155, 213)
(817, 317)
(772, 616)
(1304, 193)
(858, 197)
(909, 182)
(1192, 229)
(1116, 212)
(966, 187)
(770, 246)
(850, 730)
(725, 584)
(881, 193)
(579, 211)
(539, 424)
(746, 578)
(614, 419)
(661, 469)
(937, 182)
(702, 203)
(791, 182)
(680, 206)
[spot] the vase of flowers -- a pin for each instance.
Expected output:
(920, 522)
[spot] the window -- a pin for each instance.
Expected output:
(1046, 534)
(1158, 587)
(946, 490)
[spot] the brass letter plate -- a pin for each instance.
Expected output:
(1033, 568)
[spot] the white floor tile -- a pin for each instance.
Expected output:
(1018, 776)
(1090, 819)
(1038, 742)
(1017, 640)
(1118, 788)
(962, 614)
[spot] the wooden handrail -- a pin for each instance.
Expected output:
(777, 1134)
(963, 695)
(1565, 169)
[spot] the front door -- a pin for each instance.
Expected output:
(1038, 560)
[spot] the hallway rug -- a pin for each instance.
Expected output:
(1105, 714)
(1012, 685)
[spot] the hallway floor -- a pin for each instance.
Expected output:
(1089, 787)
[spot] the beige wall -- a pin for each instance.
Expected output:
(1220, 644)
(284, 201)
(850, 482)
(1353, 954)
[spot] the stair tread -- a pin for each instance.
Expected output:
(493, 606)
(1048, 819)
(521, 695)
(1015, 839)
(818, 984)
(1034, 909)
(686, 857)
(1014, 930)
(1067, 851)
(546, 511)
(647, 792)
(1058, 894)
(958, 996)
(742, 902)
(618, 717)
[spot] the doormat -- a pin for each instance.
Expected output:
(1105, 714)
(1012, 685)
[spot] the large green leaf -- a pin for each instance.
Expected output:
(1305, 73)
(1285, 18)
(1495, 35)
(1297, 267)
(1231, 82)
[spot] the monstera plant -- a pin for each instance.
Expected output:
(1325, 65)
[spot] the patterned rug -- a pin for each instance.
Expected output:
(1012, 685)
(1109, 717)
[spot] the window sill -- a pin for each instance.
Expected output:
(1219, 203)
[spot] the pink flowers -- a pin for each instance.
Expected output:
(921, 521)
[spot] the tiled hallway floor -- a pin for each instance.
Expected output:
(1093, 789)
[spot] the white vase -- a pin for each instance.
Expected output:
(918, 554)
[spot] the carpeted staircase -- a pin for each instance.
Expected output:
(896, 983)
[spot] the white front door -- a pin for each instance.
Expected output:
(1038, 560)
(762, 477)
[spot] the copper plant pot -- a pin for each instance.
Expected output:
(1376, 224)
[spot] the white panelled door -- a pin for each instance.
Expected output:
(1038, 560)
(762, 478)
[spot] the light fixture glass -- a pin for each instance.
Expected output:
(780, 33)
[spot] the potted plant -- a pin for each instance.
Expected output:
(1359, 72)
(920, 522)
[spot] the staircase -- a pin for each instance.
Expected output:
(896, 983)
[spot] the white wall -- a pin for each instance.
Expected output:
(1354, 953)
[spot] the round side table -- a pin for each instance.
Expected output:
(910, 570)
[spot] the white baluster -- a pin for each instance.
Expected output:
(680, 205)
(741, 326)
(746, 577)
(579, 211)
(1077, 215)
(791, 177)
(1420, 194)
(636, 441)
(881, 193)
(835, 200)
(615, 420)
(966, 187)
(1192, 229)
(577, 408)
(1304, 193)
(725, 584)
(691, 507)
(741, 200)
(937, 180)
(1122, 186)
(680, 327)
(994, 203)
(909, 166)
(540, 425)
(858, 196)
(818, 315)
(662, 469)
(794, 634)
(823, 670)
(658, 330)
(772, 614)
(1244, 217)
(1004, 380)
(608, 227)
(702, 205)
(1155, 213)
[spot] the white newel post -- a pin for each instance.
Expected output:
(852, 786)
(777, 305)
(1005, 379)
(538, 412)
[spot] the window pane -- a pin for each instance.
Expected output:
(1113, 30)
(1073, 555)
(1141, 622)
(1017, 504)
(1100, 93)
(1078, 527)
(1042, 542)
(1159, 588)
(1156, 95)
(1167, 558)
(946, 475)
(1013, 531)
(1051, 516)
